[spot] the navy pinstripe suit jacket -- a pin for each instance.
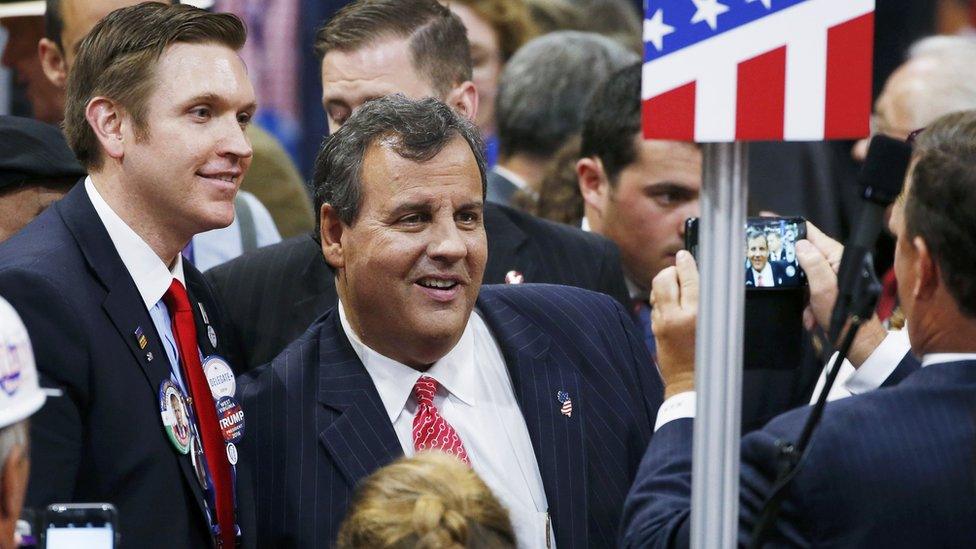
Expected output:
(892, 468)
(317, 426)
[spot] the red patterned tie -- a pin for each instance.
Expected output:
(430, 430)
(185, 333)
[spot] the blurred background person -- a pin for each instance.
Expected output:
(20, 398)
(938, 77)
(496, 30)
(559, 196)
(428, 501)
(36, 169)
(539, 106)
(24, 28)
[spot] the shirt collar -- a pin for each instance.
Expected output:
(394, 381)
(940, 358)
(634, 291)
(515, 178)
(151, 276)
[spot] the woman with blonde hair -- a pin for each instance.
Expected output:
(429, 501)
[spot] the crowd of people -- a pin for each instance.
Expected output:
(474, 325)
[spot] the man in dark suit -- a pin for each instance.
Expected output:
(370, 49)
(119, 322)
(889, 468)
(546, 391)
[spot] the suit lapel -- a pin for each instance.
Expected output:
(360, 438)
(123, 304)
(540, 381)
(207, 337)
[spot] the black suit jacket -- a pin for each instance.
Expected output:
(102, 439)
(890, 468)
(272, 294)
(320, 426)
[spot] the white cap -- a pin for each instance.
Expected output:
(20, 394)
(36, 7)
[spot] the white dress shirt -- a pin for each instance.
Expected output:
(476, 397)
(151, 276)
(872, 373)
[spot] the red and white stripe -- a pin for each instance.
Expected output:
(800, 74)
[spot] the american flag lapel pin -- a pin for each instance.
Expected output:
(567, 403)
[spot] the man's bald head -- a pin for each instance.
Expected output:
(939, 77)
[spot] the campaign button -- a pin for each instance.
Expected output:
(176, 418)
(232, 453)
(230, 417)
(219, 376)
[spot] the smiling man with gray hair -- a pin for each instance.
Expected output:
(508, 389)
(541, 97)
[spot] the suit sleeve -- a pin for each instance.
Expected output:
(63, 358)
(658, 507)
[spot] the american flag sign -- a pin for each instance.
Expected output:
(744, 70)
(567, 403)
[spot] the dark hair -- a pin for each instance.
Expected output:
(941, 202)
(54, 21)
(612, 120)
(439, 45)
(118, 60)
(755, 232)
(416, 130)
(546, 84)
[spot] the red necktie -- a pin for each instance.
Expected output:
(430, 430)
(185, 333)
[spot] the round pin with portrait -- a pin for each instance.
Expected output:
(220, 377)
(175, 416)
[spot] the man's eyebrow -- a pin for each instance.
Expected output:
(473, 205)
(670, 186)
(215, 99)
(410, 207)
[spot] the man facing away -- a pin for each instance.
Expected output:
(885, 468)
(157, 104)
(544, 390)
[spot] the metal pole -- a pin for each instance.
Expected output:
(718, 366)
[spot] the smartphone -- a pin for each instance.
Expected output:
(769, 245)
(80, 526)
